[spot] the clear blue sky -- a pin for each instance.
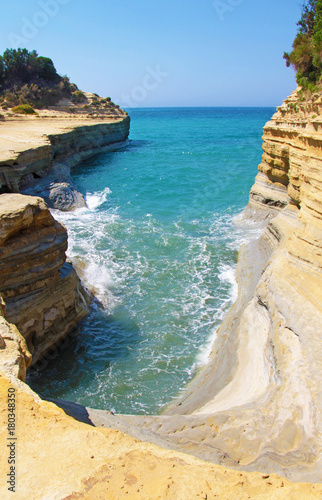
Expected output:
(163, 52)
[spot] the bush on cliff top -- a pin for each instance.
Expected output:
(24, 109)
(306, 56)
(26, 78)
(78, 97)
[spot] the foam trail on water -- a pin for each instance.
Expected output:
(87, 231)
(227, 275)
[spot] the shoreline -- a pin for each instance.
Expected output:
(37, 160)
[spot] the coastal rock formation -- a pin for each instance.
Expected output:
(38, 159)
(257, 404)
(41, 292)
(57, 457)
(15, 356)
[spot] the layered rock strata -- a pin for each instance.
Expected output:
(37, 159)
(257, 404)
(59, 458)
(41, 292)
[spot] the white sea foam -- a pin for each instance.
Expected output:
(95, 200)
(86, 230)
(166, 276)
(227, 275)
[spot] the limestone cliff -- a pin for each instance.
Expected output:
(37, 153)
(41, 292)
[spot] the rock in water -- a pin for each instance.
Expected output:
(64, 196)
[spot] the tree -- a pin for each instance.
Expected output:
(306, 56)
(27, 78)
(1, 72)
(306, 23)
(21, 66)
(46, 69)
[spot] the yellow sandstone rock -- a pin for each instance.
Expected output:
(60, 458)
(257, 404)
(42, 294)
(38, 152)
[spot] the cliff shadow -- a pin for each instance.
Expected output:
(74, 410)
(78, 368)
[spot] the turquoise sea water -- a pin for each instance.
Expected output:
(159, 244)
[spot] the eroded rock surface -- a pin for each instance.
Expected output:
(42, 294)
(256, 406)
(59, 458)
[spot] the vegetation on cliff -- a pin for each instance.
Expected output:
(27, 78)
(306, 56)
(29, 81)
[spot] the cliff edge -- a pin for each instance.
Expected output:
(54, 456)
(37, 152)
(40, 291)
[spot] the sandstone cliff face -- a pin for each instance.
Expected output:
(290, 173)
(42, 156)
(42, 294)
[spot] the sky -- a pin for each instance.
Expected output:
(156, 53)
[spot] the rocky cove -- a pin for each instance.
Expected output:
(254, 407)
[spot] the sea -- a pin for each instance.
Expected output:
(158, 245)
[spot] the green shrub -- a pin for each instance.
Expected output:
(4, 106)
(26, 78)
(10, 98)
(307, 47)
(24, 109)
(78, 97)
(293, 106)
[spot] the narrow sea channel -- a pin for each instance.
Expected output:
(159, 245)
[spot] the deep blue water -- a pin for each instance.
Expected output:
(159, 245)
